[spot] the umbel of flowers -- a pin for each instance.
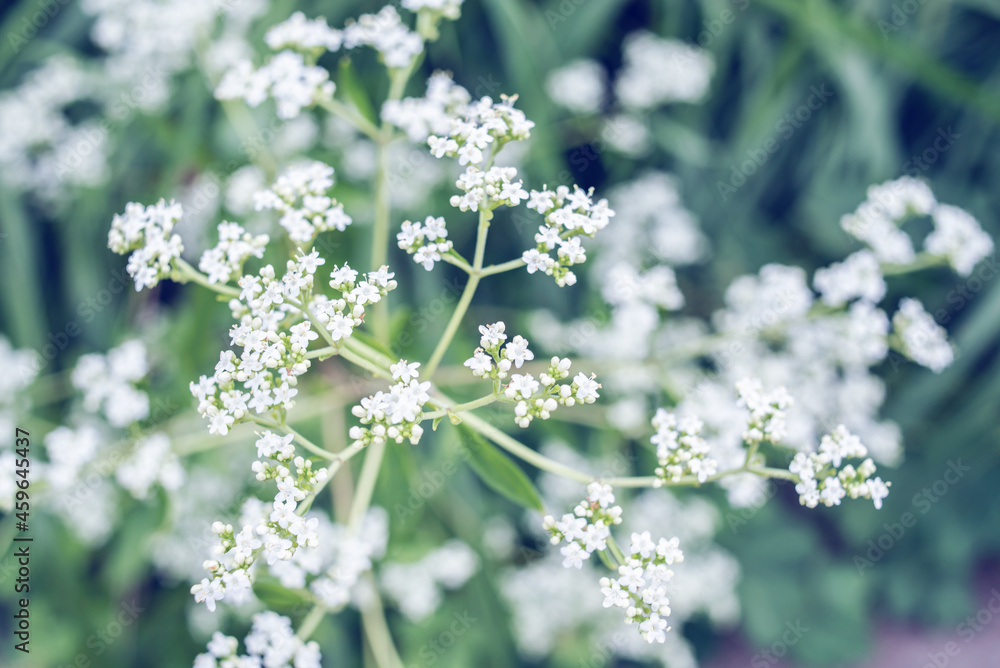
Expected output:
(292, 309)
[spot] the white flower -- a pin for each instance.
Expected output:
(404, 371)
(574, 555)
(958, 237)
(578, 86)
(924, 340)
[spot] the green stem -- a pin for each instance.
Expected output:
(500, 268)
(310, 623)
(185, 272)
(364, 363)
(458, 408)
(377, 630)
(466, 298)
(615, 550)
(366, 486)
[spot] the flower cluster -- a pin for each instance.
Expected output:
(276, 536)
(152, 461)
(425, 241)
(568, 216)
(641, 586)
(340, 316)
(956, 238)
(300, 195)
(224, 262)
(286, 77)
(821, 482)
(923, 340)
(387, 34)
(578, 86)
(261, 379)
(587, 528)
(353, 552)
(147, 232)
(482, 125)
(394, 415)
(421, 117)
(534, 397)
(108, 383)
(680, 449)
(767, 411)
(450, 9)
(658, 71)
(416, 587)
(297, 32)
(859, 276)
(487, 190)
(271, 642)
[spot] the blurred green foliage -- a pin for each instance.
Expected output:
(893, 90)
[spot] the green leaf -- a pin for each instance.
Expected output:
(349, 82)
(499, 472)
(276, 597)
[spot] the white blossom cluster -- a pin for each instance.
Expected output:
(340, 316)
(480, 130)
(450, 9)
(386, 33)
(658, 71)
(767, 411)
(108, 383)
(147, 233)
(151, 462)
(644, 572)
(588, 528)
(286, 78)
(680, 449)
(300, 195)
(552, 606)
(497, 186)
(822, 482)
(957, 236)
(261, 379)
(352, 556)
(533, 397)
(578, 86)
(569, 215)
(271, 643)
(224, 262)
(394, 415)
(923, 340)
(42, 147)
(416, 587)
(859, 276)
(312, 36)
(275, 536)
(432, 114)
(641, 586)
(21, 368)
(425, 241)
